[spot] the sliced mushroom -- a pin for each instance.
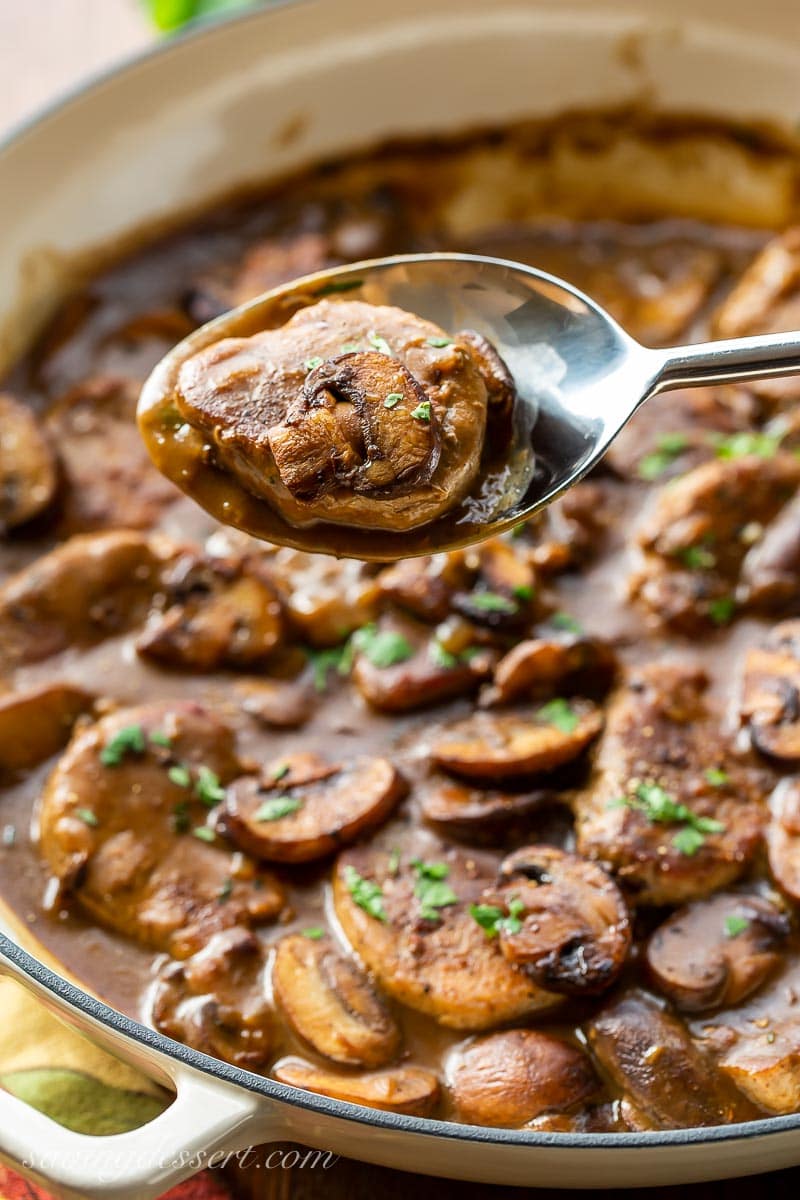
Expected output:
(436, 959)
(424, 586)
(541, 665)
(504, 745)
(219, 613)
(123, 827)
(564, 920)
(401, 666)
(34, 724)
(90, 588)
(28, 471)
(325, 598)
(716, 952)
(500, 386)
(310, 808)
(408, 1090)
(770, 705)
(216, 1001)
(783, 836)
(669, 809)
(505, 592)
(648, 1054)
(507, 1079)
(276, 703)
(330, 1003)
(473, 813)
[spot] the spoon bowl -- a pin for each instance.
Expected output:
(579, 379)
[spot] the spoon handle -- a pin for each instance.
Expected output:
(732, 361)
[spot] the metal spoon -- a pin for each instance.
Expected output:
(579, 376)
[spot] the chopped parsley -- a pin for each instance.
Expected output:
(277, 807)
(440, 656)
(339, 285)
(661, 808)
(349, 348)
(334, 658)
(697, 558)
(494, 920)
(519, 529)
(180, 775)
(366, 893)
(668, 447)
(439, 342)
(558, 713)
(208, 787)
(722, 609)
(280, 772)
(87, 816)
(379, 343)
(128, 740)
(743, 445)
(383, 647)
(312, 363)
(422, 412)
(392, 399)
(159, 738)
(204, 834)
(314, 933)
(493, 602)
(524, 592)
(432, 889)
(734, 925)
(393, 865)
(565, 621)
(717, 777)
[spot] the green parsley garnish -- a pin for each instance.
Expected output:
(661, 808)
(722, 609)
(208, 787)
(519, 529)
(431, 889)
(494, 920)
(277, 807)
(493, 602)
(558, 713)
(393, 865)
(668, 447)
(366, 893)
(226, 891)
(180, 818)
(439, 342)
(524, 592)
(734, 925)
(383, 647)
(563, 620)
(128, 740)
(280, 772)
(687, 841)
(204, 834)
(159, 738)
(717, 777)
(697, 558)
(87, 816)
(378, 343)
(392, 399)
(314, 932)
(339, 285)
(334, 658)
(312, 363)
(349, 348)
(422, 412)
(180, 775)
(744, 445)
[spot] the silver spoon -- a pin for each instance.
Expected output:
(579, 376)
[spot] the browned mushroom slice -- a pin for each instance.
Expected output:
(503, 745)
(717, 951)
(410, 1090)
(276, 703)
(216, 1000)
(649, 1055)
(34, 724)
(339, 431)
(475, 813)
(543, 664)
(770, 574)
(28, 472)
(399, 666)
(424, 586)
(124, 828)
(325, 598)
(330, 1003)
(561, 918)
(90, 588)
(504, 591)
(219, 612)
(500, 386)
(783, 836)
(409, 921)
(771, 693)
(670, 810)
(507, 1079)
(304, 808)
(757, 1044)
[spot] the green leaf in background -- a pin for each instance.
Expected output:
(82, 1103)
(169, 15)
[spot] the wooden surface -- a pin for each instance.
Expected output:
(47, 46)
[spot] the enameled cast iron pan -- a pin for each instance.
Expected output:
(169, 132)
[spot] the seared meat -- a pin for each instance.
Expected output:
(716, 952)
(34, 724)
(507, 1079)
(216, 1000)
(330, 1003)
(422, 943)
(669, 810)
(124, 828)
(28, 470)
(348, 413)
(701, 528)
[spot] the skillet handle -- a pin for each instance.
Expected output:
(209, 1118)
